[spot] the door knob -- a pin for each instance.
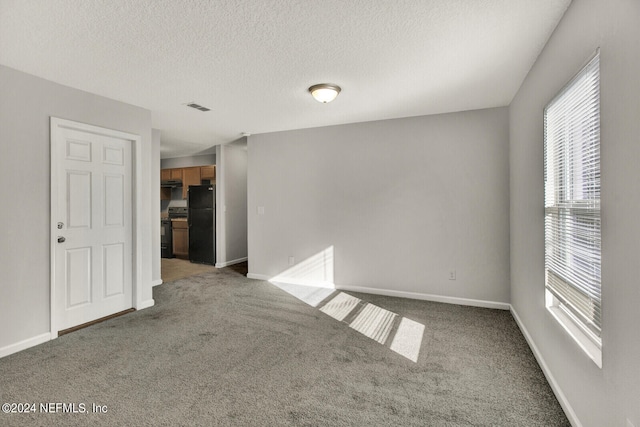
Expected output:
(61, 239)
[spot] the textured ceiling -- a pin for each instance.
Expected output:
(251, 61)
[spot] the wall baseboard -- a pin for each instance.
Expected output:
(39, 339)
(428, 297)
(232, 262)
(156, 283)
(292, 281)
(145, 304)
(24, 344)
(389, 292)
(300, 282)
(564, 403)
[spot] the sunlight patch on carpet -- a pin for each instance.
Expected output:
(340, 306)
(374, 322)
(308, 294)
(312, 282)
(408, 339)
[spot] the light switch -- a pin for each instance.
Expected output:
(260, 210)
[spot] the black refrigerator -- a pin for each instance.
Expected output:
(202, 223)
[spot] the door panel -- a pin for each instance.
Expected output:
(114, 200)
(78, 150)
(78, 276)
(113, 155)
(79, 199)
(93, 262)
(113, 269)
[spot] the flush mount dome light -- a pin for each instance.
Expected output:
(324, 92)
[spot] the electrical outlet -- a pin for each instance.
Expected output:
(452, 274)
(292, 260)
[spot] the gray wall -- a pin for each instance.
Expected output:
(231, 193)
(401, 201)
(186, 162)
(607, 396)
(26, 104)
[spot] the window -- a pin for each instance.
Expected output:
(572, 208)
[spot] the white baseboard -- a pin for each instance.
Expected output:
(145, 304)
(427, 297)
(291, 281)
(388, 292)
(156, 283)
(566, 406)
(301, 282)
(24, 344)
(232, 262)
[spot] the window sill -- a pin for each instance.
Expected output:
(586, 344)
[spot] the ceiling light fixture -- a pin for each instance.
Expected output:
(324, 92)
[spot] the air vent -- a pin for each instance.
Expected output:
(197, 106)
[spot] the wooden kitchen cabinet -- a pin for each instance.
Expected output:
(208, 172)
(190, 176)
(176, 173)
(180, 238)
(170, 174)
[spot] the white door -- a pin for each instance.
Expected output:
(92, 218)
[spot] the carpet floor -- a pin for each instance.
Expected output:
(219, 349)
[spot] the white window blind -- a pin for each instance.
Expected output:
(572, 198)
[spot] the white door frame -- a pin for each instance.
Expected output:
(136, 205)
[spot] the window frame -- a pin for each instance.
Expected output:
(562, 212)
